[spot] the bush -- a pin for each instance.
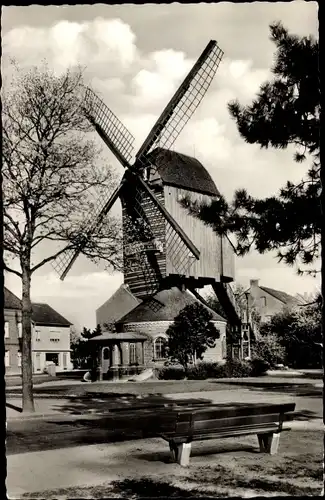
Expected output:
(237, 368)
(269, 349)
(259, 367)
(203, 371)
(232, 368)
(171, 373)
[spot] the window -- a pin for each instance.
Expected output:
(7, 358)
(38, 362)
(19, 358)
(20, 329)
(54, 335)
(133, 354)
(224, 347)
(37, 335)
(263, 301)
(64, 360)
(52, 356)
(6, 330)
(160, 348)
(245, 349)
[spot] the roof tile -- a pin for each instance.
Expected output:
(43, 314)
(172, 302)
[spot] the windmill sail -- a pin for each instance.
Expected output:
(143, 246)
(115, 135)
(184, 103)
(150, 231)
(63, 263)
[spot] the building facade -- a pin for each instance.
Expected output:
(140, 339)
(268, 301)
(50, 339)
(50, 336)
(12, 332)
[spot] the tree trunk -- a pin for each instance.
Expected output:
(27, 371)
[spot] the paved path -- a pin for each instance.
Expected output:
(96, 463)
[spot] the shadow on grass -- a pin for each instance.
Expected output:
(113, 403)
(126, 488)
(165, 456)
(289, 389)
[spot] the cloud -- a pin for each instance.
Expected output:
(159, 77)
(102, 42)
(136, 67)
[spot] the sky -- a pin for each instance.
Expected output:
(135, 57)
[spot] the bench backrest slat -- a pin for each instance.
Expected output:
(221, 417)
(218, 411)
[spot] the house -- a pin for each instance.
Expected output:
(12, 332)
(268, 301)
(50, 338)
(140, 338)
(119, 304)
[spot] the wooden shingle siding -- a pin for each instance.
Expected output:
(206, 240)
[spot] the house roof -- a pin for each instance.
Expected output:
(281, 296)
(183, 171)
(120, 303)
(43, 314)
(119, 336)
(171, 302)
(11, 301)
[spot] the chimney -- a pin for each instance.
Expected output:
(253, 289)
(254, 283)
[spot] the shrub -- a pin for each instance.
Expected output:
(269, 349)
(259, 367)
(202, 371)
(237, 368)
(232, 368)
(170, 373)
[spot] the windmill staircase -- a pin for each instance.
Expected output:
(239, 331)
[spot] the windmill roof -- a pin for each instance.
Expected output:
(183, 171)
(11, 301)
(120, 303)
(172, 301)
(43, 314)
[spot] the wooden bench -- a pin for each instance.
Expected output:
(180, 426)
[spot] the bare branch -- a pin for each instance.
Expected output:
(10, 270)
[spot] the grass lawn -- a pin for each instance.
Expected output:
(219, 468)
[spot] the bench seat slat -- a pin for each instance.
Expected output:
(199, 423)
(222, 433)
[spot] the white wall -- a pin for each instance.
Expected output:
(214, 354)
(51, 339)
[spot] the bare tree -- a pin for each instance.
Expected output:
(51, 170)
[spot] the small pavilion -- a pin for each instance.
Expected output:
(119, 355)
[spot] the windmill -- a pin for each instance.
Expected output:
(162, 244)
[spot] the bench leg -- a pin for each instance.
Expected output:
(173, 450)
(180, 453)
(269, 443)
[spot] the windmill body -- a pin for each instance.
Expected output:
(164, 260)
